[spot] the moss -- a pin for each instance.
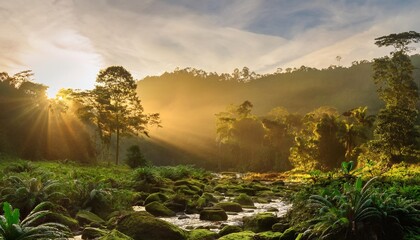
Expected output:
(246, 235)
(269, 235)
(115, 235)
(202, 234)
(244, 199)
(159, 210)
(143, 226)
(93, 233)
(289, 234)
(228, 229)
(158, 197)
(280, 227)
(71, 223)
(213, 214)
(230, 206)
(260, 222)
(86, 217)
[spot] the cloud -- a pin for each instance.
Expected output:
(67, 42)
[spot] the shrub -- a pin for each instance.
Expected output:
(135, 157)
(12, 228)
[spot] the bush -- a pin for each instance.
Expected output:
(135, 158)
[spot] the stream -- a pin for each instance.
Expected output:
(192, 221)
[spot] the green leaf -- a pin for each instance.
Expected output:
(358, 184)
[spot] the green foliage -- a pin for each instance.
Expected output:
(362, 212)
(135, 158)
(27, 193)
(393, 76)
(11, 228)
(347, 167)
(114, 107)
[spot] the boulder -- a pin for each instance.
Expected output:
(202, 234)
(244, 200)
(213, 214)
(228, 229)
(115, 235)
(289, 234)
(93, 233)
(89, 218)
(269, 235)
(260, 222)
(158, 197)
(230, 206)
(246, 235)
(157, 209)
(143, 226)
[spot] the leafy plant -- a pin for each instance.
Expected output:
(347, 167)
(135, 157)
(11, 228)
(27, 193)
(350, 214)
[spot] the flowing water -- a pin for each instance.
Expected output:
(192, 221)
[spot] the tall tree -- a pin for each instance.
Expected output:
(115, 106)
(393, 75)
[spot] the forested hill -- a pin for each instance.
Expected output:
(188, 99)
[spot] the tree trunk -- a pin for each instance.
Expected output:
(118, 141)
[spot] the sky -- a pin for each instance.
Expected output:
(66, 42)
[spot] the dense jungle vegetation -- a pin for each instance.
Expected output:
(340, 145)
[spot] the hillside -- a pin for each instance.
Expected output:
(188, 100)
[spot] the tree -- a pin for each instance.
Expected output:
(393, 75)
(115, 107)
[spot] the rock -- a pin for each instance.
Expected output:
(247, 191)
(202, 234)
(213, 214)
(183, 217)
(246, 235)
(230, 206)
(176, 207)
(228, 229)
(272, 209)
(158, 197)
(87, 218)
(143, 226)
(289, 234)
(93, 233)
(269, 235)
(280, 227)
(157, 209)
(260, 222)
(115, 235)
(70, 222)
(244, 199)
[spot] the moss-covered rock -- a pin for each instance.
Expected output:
(202, 234)
(244, 200)
(143, 226)
(228, 229)
(213, 214)
(230, 206)
(269, 235)
(280, 227)
(88, 218)
(115, 235)
(93, 233)
(289, 234)
(70, 222)
(246, 235)
(260, 222)
(158, 197)
(159, 210)
(222, 188)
